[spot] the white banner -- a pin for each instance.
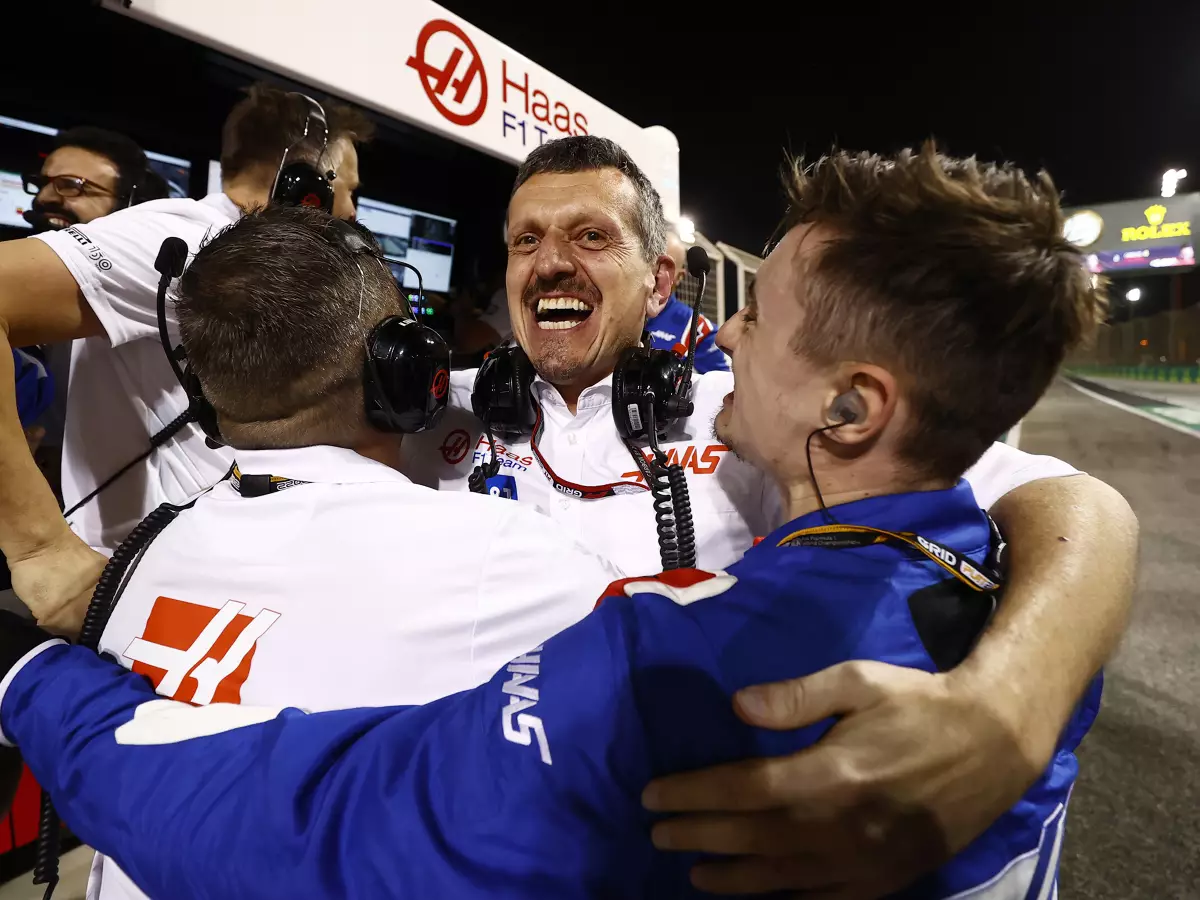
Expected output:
(418, 62)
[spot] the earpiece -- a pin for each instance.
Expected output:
(847, 407)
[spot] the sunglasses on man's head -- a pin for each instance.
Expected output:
(64, 185)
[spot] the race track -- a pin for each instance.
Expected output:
(1134, 826)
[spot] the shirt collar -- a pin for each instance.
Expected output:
(221, 201)
(322, 465)
(950, 516)
(598, 396)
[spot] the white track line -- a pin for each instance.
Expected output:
(1161, 420)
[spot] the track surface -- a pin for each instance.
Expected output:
(1134, 825)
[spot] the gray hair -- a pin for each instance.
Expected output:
(585, 153)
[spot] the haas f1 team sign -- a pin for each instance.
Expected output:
(416, 61)
(455, 80)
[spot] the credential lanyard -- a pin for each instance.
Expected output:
(584, 491)
(260, 485)
(837, 536)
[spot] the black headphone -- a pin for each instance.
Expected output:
(406, 372)
(301, 183)
(646, 382)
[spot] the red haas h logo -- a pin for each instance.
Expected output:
(311, 200)
(441, 383)
(447, 93)
(455, 446)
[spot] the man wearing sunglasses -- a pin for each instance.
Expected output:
(91, 173)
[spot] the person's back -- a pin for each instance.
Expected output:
(353, 587)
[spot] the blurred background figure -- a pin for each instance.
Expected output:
(671, 329)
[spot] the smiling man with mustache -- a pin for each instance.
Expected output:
(588, 265)
(91, 173)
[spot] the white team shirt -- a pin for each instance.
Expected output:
(732, 501)
(356, 589)
(121, 388)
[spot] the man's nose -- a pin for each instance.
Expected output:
(48, 194)
(726, 337)
(553, 259)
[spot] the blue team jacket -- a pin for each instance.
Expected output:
(670, 330)
(35, 386)
(528, 786)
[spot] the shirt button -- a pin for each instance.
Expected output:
(565, 504)
(571, 438)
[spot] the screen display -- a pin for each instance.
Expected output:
(418, 238)
(176, 172)
(24, 146)
(1156, 257)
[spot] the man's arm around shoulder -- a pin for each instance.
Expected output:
(53, 572)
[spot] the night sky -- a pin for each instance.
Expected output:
(1105, 98)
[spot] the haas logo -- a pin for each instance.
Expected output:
(448, 94)
(441, 383)
(311, 200)
(196, 653)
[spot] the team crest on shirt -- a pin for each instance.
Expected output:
(198, 654)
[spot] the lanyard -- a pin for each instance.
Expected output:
(837, 536)
(584, 491)
(260, 485)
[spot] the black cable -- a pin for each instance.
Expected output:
(672, 504)
(45, 866)
(108, 589)
(812, 473)
(477, 480)
(157, 439)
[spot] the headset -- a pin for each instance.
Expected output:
(406, 372)
(300, 183)
(647, 383)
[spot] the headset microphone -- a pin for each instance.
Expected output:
(698, 266)
(172, 256)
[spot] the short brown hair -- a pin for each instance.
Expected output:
(261, 127)
(588, 153)
(274, 314)
(952, 274)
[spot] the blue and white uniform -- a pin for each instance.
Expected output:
(671, 329)
(527, 786)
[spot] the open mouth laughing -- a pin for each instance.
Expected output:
(561, 313)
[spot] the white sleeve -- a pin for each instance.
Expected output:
(1003, 468)
(112, 260)
(535, 583)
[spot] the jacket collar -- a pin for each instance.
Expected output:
(950, 515)
(321, 464)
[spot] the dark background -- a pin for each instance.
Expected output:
(1103, 95)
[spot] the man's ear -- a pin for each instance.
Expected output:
(862, 403)
(664, 284)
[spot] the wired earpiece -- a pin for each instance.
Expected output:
(847, 408)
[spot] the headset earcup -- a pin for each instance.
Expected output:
(641, 371)
(300, 184)
(406, 376)
(503, 391)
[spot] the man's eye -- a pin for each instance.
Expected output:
(525, 240)
(593, 236)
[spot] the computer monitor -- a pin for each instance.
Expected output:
(175, 171)
(418, 238)
(23, 147)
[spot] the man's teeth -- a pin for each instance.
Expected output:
(559, 326)
(546, 303)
